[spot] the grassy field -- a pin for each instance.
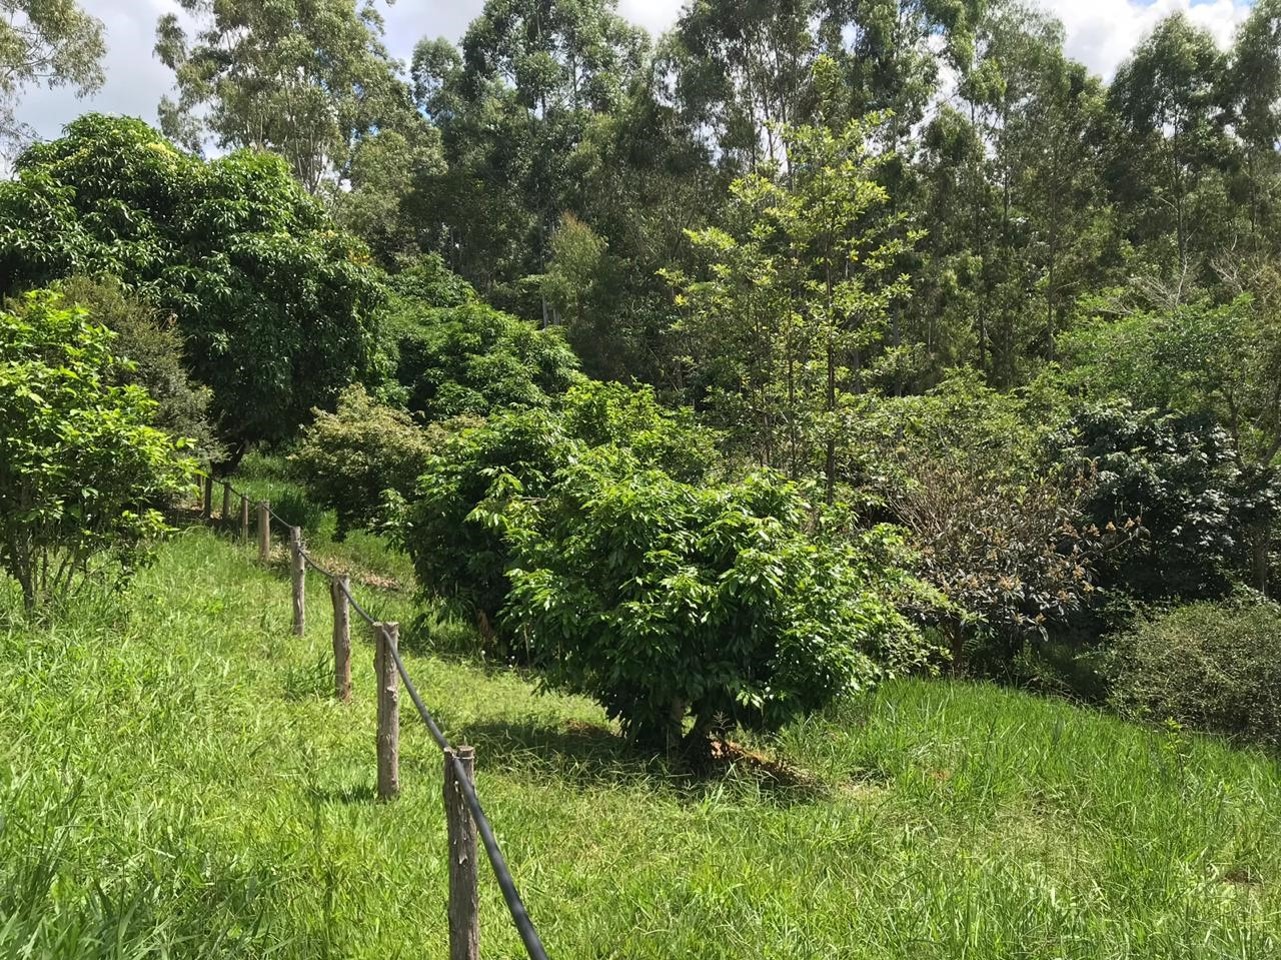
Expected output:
(175, 782)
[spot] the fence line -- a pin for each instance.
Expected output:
(459, 761)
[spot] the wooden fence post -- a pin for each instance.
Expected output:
(298, 574)
(206, 505)
(244, 519)
(226, 501)
(264, 531)
(464, 891)
(387, 638)
(338, 588)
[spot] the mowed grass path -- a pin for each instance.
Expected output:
(175, 781)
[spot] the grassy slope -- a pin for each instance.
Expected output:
(173, 777)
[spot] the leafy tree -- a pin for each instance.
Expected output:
(1253, 91)
(639, 179)
(428, 281)
(306, 80)
(473, 359)
(349, 459)
(1177, 477)
(743, 71)
(53, 42)
(574, 268)
(512, 107)
(662, 599)
(277, 307)
(1168, 98)
(82, 472)
(796, 306)
(152, 351)
(453, 526)
(378, 207)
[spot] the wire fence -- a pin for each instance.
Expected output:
(464, 924)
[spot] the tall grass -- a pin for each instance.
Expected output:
(175, 781)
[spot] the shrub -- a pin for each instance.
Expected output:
(457, 553)
(451, 529)
(471, 359)
(1212, 666)
(1179, 479)
(663, 599)
(82, 472)
(997, 529)
(348, 460)
(154, 351)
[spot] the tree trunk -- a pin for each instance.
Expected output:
(1260, 541)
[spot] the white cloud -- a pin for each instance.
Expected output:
(1100, 33)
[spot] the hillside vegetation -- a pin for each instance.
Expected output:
(826, 458)
(178, 782)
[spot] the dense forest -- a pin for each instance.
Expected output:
(806, 344)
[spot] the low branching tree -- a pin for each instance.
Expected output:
(83, 473)
(665, 600)
(453, 526)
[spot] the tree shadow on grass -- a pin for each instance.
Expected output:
(590, 756)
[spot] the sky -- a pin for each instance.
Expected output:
(1100, 34)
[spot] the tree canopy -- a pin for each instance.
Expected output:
(278, 308)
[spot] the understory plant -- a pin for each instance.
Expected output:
(1210, 666)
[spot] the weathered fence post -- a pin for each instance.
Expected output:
(338, 588)
(226, 501)
(206, 505)
(298, 574)
(264, 531)
(464, 892)
(244, 519)
(386, 639)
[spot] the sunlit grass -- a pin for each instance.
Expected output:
(175, 781)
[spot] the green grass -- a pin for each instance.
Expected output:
(175, 781)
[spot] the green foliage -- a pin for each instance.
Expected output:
(471, 359)
(793, 314)
(427, 280)
(82, 472)
(1198, 358)
(153, 350)
(278, 310)
(674, 441)
(1212, 667)
(1179, 480)
(312, 82)
(998, 531)
(350, 459)
(50, 42)
(575, 267)
(452, 527)
(661, 599)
